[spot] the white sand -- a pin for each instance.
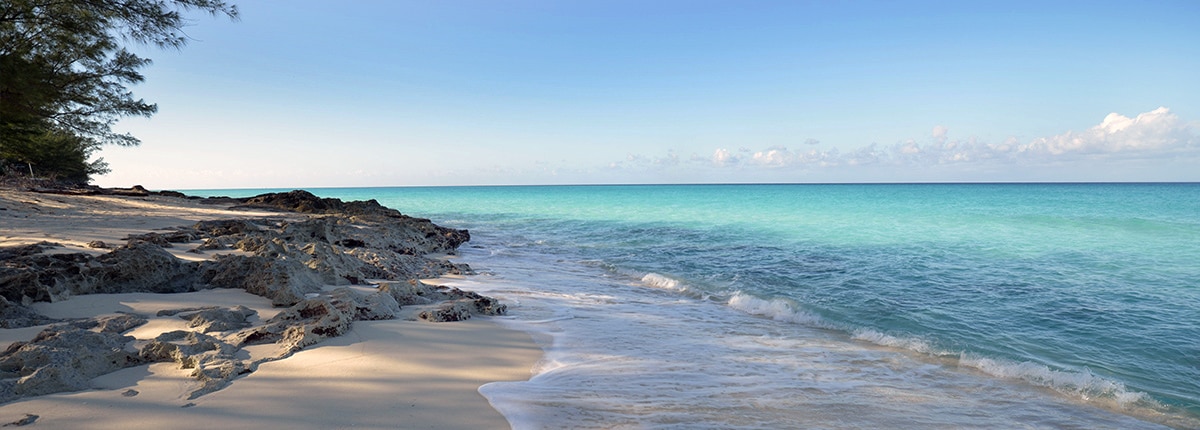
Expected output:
(383, 374)
(74, 221)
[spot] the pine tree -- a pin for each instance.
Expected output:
(64, 75)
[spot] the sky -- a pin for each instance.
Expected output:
(305, 93)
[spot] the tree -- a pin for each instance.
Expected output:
(64, 73)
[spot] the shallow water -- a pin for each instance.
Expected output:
(835, 306)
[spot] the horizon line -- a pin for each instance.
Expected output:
(706, 184)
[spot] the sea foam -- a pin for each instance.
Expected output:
(1084, 384)
(659, 281)
(909, 343)
(776, 309)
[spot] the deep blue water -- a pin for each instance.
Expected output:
(915, 305)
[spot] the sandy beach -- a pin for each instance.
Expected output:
(390, 373)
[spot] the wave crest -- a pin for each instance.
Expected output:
(909, 343)
(1084, 384)
(776, 309)
(659, 281)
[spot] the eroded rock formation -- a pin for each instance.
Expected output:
(296, 262)
(65, 357)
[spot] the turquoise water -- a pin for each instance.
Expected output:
(947, 305)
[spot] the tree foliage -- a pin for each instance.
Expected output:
(64, 73)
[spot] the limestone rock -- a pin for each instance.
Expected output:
(137, 267)
(225, 227)
(213, 362)
(453, 311)
(39, 277)
(285, 282)
(27, 420)
(63, 358)
(429, 237)
(14, 315)
(11, 252)
(463, 309)
(217, 319)
(378, 305)
(162, 239)
(115, 324)
(304, 324)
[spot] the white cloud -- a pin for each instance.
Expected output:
(1157, 130)
(774, 156)
(1158, 134)
(939, 133)
(722, 157)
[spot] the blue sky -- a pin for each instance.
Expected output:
(382, 93)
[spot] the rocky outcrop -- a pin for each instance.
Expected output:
(213, 362)
(379, 305)
(286, 260)
(297, 263)
(284, 281)
(428, 236)
(66, 357)
(462, 309)
(208, 320)
(136, 267)
(14, 315)
(302, 325)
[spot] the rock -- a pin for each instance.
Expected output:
(27, 420)
(369, 307)
(226, 227)
(15, 315)
(463, 309)
(211, 244)
(41, 277)
(115, 324)
(434, 238)
(453, 311)
(136, 191)
(130, 393)
(488, 306)
(294, 201)
(211, 320)
(213, 362)
(61, 358)
(11, 252)
(138, 267)
(283, 281)
(135, 268)
(351, 243)
(304, 324)
(413, 292)
(97, 244)
(319, 320)
(163, 239)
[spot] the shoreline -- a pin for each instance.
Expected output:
(392, 372)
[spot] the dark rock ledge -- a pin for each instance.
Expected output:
(290, 262)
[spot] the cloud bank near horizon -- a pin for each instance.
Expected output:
(1157, 134)
(1152, 146)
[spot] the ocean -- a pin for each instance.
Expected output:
(837, 306)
